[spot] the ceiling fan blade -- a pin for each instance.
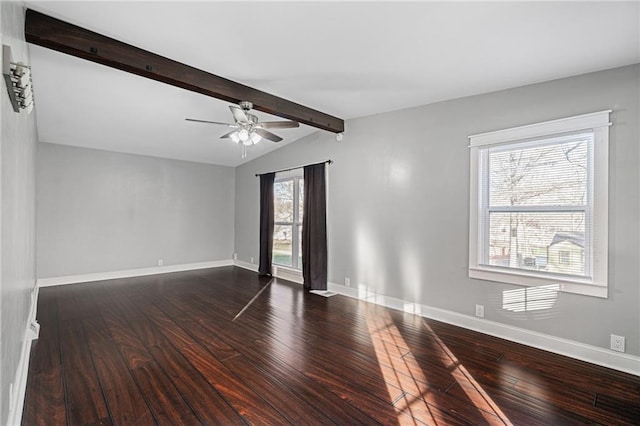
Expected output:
(210, 122)
(227, 135)
(252, 118)
(239, 114)
(278, 124)
(268, 135)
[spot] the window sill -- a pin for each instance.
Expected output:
(575, 286)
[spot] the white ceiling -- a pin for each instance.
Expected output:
(345, 59)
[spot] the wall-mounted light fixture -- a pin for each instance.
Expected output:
(17, 76)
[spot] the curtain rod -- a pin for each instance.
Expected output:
(294, 168)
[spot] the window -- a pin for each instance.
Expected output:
(538, 212)
(287, 232)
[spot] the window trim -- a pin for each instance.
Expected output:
(296, 225)
(598, 123)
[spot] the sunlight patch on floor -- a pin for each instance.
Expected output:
(399, 376)
(401, 371)
(471, 387)
(252, 300)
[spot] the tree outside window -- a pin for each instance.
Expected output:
(537, 195)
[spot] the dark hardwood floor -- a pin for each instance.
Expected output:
(164, 350)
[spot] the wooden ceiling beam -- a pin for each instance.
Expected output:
(46, 31)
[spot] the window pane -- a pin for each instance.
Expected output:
(299, 247)
(540, 174)
(282, 245)
(283, 201)
(549, 241)
(288, 207)
(300, 199)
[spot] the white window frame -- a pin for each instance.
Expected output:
(593, 285)
(295, 176)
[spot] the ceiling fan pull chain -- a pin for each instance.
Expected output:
(244, 152)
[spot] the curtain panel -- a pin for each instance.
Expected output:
(266, 223)
(314, 228)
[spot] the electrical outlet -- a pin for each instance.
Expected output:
(11, 396)
(160, 262)
(347, 282)
(252, 260)
(235, 256)
(480, 311)
(617, 343)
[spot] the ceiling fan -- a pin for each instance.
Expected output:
(247, 129)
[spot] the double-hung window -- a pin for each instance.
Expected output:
(538, 209)
(287, 232)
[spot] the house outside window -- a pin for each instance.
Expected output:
(538, 204)
(287, 232)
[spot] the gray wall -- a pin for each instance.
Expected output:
(17, 213)
(399, 203)
(101, 211)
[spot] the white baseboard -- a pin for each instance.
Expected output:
(101, 276)
(246, 265)
(593, 354)
(16, 404)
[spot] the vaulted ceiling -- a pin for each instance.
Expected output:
(347, 59)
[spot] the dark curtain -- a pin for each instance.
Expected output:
(314, 228)
(266, 222)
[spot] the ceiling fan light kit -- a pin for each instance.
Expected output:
(245, 137)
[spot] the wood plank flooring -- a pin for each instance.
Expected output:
(164, 350)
